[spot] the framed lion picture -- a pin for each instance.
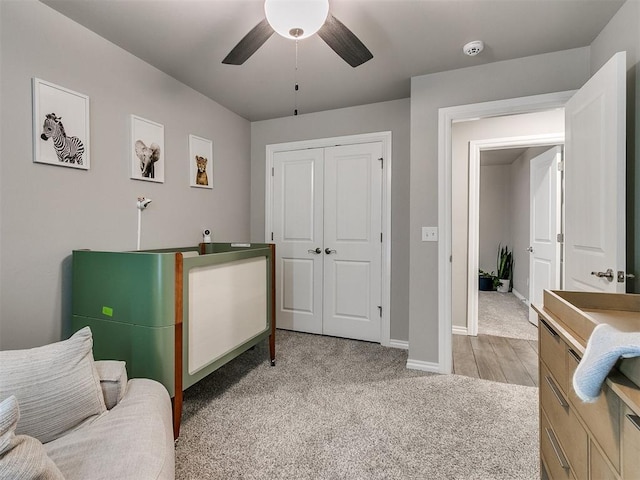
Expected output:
(201, 162)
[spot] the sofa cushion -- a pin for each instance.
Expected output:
(132, 441)
(113, 380)
(22, 457)
(57, 386)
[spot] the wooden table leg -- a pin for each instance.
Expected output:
(272, 336)
(178, 300)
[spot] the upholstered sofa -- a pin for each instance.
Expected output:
(65, 416)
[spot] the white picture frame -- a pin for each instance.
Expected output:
(200, 152)
(147, 150)
(61, 130)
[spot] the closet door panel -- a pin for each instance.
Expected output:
(353, 248)
(298, 234)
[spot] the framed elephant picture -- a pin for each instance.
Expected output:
(60, 126)
(147, 150)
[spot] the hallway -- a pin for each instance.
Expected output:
(506, 348)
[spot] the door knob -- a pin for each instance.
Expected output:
(530, 249)
(329, 251)
(317, 251)
(608, 274)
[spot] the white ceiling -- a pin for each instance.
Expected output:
(188, 39)
(506, 156)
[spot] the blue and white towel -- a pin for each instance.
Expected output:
(605, 346)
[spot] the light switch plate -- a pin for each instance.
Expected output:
(429, 234)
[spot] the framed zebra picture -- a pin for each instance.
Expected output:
(201, 162)
(147, 150)
(60, 126)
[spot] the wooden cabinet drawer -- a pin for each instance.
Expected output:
(630, 444)
(601, 417)
(553, 351)
(598, 467)
(554, 458)
(569, 432)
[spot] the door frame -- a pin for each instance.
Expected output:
(446, 117)
(385, 139)
(476, 147)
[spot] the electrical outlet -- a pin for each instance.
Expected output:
(429, 234)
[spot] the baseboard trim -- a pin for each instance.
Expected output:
(402, 344)
(519, 296)
(424, 366)
(457, 330)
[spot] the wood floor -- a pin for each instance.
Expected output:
(501, 359)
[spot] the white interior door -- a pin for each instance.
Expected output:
(327, 224)
(352, 241)
(298, 234)
(545, 218)
(595, 181)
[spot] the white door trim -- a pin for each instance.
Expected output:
(446, 117)
(385, 139)
(475, 149)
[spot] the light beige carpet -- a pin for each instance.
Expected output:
(342, 409)
(504, 315)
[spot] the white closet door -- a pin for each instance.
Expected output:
(352, 241)
(297, 232)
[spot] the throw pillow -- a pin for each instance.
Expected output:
(22, 457)
(57, 386)
(113, 380)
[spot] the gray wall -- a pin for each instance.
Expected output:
(495, 227)
(622, 33)
(47, 211)
(386, 116)
(553, 72)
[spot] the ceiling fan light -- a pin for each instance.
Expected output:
(296, 19)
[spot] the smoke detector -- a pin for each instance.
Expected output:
(473, 48)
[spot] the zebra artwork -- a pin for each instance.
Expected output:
(68, 149)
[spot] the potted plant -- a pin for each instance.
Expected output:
(505, 268)
(487, 281)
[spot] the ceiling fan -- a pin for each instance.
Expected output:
(298, 19)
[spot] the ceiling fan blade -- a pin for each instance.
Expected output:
(251, 42)
(344, 42)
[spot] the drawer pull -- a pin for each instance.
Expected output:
(556, 392)
(556, 449)
(573, 353)
(549, 329)
(635, 419)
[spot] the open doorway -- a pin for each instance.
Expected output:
(496, 154)
(514, 219)
(506, 216)
(502, 226)
(491, 211)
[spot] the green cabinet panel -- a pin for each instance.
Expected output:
(124, 287)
